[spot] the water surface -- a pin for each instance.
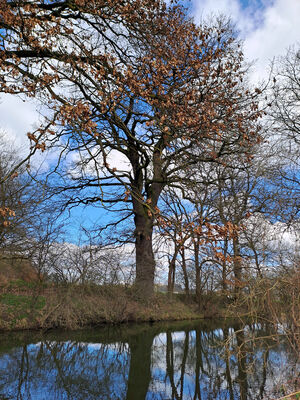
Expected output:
(187, 360)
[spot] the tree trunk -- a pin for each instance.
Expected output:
(145, 262)
(224, 266)
(237, 266)
(143, 216)
(171, 273)
(170, 277)
(198, 271)
(185, 274)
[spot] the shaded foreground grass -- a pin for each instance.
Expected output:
(27, 306)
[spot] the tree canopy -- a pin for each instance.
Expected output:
(131, 79)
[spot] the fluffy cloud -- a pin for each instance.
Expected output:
(17, 118)
(279, 30)
(268, 28)
(246, 17)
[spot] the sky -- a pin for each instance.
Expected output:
(268, 27)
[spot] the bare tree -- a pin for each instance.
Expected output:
(285, 117)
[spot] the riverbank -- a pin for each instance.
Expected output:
(32, 306)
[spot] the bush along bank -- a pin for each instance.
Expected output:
(44, 306)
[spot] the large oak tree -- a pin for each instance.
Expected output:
(132, 78)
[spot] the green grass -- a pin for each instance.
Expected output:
(21, 307)
(19, 283)
(22, 301)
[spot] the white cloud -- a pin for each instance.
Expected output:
(118, 160)
(17, 118)
(245, 19)
(203, 9)
(279, 30)
(268, 28)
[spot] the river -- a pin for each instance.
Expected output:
(180, 360)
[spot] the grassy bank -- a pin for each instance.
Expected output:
(31, 306)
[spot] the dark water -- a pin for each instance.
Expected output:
(135, 362)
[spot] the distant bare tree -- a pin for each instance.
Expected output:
(285, 117)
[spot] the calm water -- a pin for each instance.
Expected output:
(136, 362)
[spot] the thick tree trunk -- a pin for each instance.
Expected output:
(144, 201)
(145, 262)
(144, 215)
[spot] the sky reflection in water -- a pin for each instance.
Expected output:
(162, 361)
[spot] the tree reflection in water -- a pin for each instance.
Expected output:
(174, 361)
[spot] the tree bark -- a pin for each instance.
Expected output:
(171, 273)
(198, 271)
(145, 262)
(185, 274)
(144, 218)
(224, 266)
(237, 266)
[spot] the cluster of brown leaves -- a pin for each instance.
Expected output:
(5, 213)
(183, 71)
